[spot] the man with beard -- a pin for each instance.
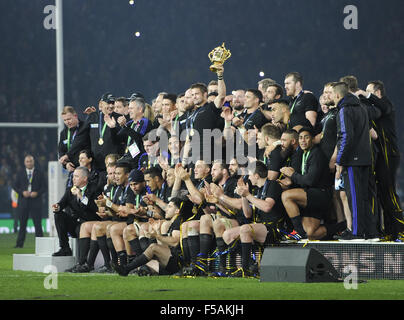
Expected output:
(238, 101)
(189, 101)
(304, 105)
(263, 84)
(190, 229)
(118, 207)
(217, 218)
(327, 138)
(234, 168)
(291, 154)
(206, 116)
(273, 93)
(99, 229)
(268, 139)
(268, 215)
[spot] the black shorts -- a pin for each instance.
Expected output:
(174, 264)
(319, 202)
(273, 235)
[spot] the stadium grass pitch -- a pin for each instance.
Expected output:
(24, 285)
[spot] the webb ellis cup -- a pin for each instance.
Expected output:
(218, 56)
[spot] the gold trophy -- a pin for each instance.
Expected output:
(218, 56)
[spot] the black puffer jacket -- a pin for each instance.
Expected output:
(353, 140)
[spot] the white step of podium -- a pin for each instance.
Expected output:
(49, 245)
(44, 248)
(38, 263)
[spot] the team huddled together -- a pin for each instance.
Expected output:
(199, 183)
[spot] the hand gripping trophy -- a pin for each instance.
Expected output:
(218, 56)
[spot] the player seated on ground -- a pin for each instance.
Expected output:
(269, 152)
(138, 214)
(264, 220)
(121, 210)
(190, 228)
(167, 250)
(99, 228)
(310, 194)
(156, 202)
(112, 203)
(221, 213)
(160, 192)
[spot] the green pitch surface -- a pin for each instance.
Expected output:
(23, 285)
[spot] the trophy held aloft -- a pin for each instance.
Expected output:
(218, 56)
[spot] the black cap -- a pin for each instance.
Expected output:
(108, 97)
(135, 95)
(136, 176)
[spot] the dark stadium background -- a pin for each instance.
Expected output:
(103, 54)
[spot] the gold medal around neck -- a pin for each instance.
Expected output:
(100, 141)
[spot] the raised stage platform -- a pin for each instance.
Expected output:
(372, 260)
(44, 248)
